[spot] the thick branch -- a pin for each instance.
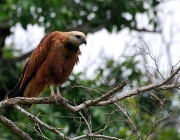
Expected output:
(101, 101)
(24, 100)
(96, 102)
(14, 129)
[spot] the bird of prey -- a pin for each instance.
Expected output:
(50, 64)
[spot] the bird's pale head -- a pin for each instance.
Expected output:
(77, 38)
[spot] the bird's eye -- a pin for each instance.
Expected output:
(78, 36)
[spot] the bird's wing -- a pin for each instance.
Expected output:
(36, 59)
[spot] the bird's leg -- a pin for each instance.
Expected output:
(53, 95)
(59, 97)
(58, 92)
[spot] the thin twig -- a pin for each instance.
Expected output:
(150, 54)
(154, 122)
(129, 118)
(92, 135)
(89, 127)
(152, 94)
(176, 79)
(139, 90)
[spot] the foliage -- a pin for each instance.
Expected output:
(66, 15)
(9, 75)
(87, 16)
(73, 124)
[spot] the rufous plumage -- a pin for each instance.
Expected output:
(50, 64)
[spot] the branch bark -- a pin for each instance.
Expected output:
(142, 89)
(14, 129)
(103, 100)
(35, 119)
(92, 135)
(49, 100)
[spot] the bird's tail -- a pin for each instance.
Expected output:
(16, 91)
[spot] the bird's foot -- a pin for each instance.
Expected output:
(53, 95)
(59, 99)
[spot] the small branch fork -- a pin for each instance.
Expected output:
(103, 100)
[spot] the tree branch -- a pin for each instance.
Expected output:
(22, 135)
(100, 101)
(96, 102)
(141, 89)
(14, 129)
(49, 100)
(92, 135)
(35, 119)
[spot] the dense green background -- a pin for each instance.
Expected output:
(87, 16)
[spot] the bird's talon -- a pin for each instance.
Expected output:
(62, 101)
(53, 95)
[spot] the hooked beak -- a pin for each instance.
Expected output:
(84, 41)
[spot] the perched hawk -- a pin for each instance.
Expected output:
(50, 64)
